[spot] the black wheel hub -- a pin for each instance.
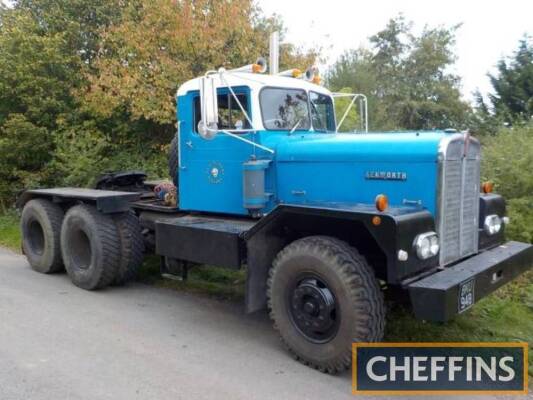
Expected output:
(313, 309)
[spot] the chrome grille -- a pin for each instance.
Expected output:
(458, 201)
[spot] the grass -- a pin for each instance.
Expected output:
(220, 283)
(9, 230)
(504, 316)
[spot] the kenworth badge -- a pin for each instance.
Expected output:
(386, 175)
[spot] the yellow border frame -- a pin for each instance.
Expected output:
(524, 345)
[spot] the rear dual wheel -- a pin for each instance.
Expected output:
(90, 246)
(98, 249)
(95, 249)
(131, 247)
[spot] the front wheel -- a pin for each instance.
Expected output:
(323, 296)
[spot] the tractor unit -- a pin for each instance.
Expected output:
(324, 222)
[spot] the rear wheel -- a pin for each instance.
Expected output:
(323, 296)
(41, 227)
(131, 247)
(90, 246)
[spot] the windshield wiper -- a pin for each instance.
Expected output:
(295, 126)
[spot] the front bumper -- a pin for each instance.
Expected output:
(440, 296)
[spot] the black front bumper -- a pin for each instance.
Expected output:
(436, 297)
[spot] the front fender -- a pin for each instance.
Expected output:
(355, 224)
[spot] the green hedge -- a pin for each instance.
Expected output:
(508, 162)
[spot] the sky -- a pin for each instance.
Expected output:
(490, 29)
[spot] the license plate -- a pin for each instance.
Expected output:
(466, 295)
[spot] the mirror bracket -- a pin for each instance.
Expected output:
(208, 125)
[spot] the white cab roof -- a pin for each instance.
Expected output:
(254, 81)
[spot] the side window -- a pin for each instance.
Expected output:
(230, 115)
(322, 113)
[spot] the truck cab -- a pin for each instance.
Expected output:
(276, 110)
(293, 138)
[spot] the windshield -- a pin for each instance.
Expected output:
(322, 112)
(284, 109)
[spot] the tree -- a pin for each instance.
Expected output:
(24, 149)
(37, 73)
(354, 72)
(45, 46)
(92, 82)
(160, 44)
(513, 85)
(81, 21)
(35, 84)
(406, 78)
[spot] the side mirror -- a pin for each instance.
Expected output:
(208, 125)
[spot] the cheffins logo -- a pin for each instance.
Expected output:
(439, 368)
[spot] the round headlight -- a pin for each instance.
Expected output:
(434, 245)
(426, 245)
(493, 224)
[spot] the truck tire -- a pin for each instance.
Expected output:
(131, 247)
(322, 297)
(40, 225)
(90, 246)
(173, 160)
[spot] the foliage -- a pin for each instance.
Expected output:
(507, 160)
(9, 229)
(25, 149)
(45, 47)
(512, 100)
(37, 75)
(84, 153)
(352, 121)
(406, 78)
(89, 85)
(513, 86)
(521, 215)
(161, 43)
(504, 316)
(80, 22)
(34, 89)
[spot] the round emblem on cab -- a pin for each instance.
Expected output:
(215, 172)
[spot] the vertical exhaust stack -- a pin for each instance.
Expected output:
(274, 53)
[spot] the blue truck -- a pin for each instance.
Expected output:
(324, 222)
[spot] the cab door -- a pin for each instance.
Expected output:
(211, 171)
